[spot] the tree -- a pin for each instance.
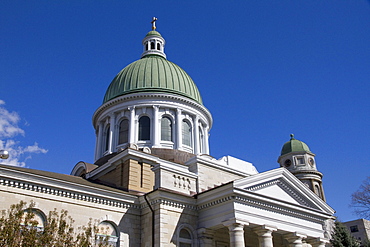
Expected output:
(361, 200)
(19, 227)
(342, 238)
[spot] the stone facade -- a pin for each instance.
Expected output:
(154, 183)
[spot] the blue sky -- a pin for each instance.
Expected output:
(265, 69)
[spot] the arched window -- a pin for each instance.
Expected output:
(107, 233)
(186, 133)
(201, 140)
(123, 132)
(152, 45)
(158, 46)
(106, 138)
(147, 46)
(166, 129)
(144, 128)
(33, 219)
(185, 239)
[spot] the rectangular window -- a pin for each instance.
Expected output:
(300, 161)
(353, 228)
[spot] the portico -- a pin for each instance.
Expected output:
(245, 215)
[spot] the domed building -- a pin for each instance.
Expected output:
(154, 183)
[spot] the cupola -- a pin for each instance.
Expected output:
(153, 42)
(298, 159)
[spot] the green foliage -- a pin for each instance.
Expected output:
(19, 228)
(342, 238)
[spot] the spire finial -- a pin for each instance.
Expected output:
(291, 136)
(153, 23)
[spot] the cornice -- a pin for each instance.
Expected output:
(74, 192)
(170, 203)
(278, 209)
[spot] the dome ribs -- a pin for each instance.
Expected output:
(153, 74)
(162, 74)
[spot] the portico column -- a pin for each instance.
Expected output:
(112, 124)
(196, 135)
(205, 237)
(236, 232)
(178, 129)
(155, 129)
(265, 235)
(132, 125)
(295, 239)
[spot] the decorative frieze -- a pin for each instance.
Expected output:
(66, 194)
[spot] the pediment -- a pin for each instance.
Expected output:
(282, 186)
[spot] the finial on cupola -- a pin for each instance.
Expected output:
(153, 23)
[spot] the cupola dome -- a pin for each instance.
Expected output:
(153, 73)
(294, 145)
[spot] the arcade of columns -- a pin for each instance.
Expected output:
(264, 233)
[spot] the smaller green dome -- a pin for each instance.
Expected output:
(153, 33)
(294, 145)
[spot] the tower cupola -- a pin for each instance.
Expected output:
(153, 42)
(298, 159)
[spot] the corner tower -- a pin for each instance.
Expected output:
(152, 105)
(299, 160)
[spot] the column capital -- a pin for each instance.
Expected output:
(295, 238)
(317, 242)
(205, 233)
(264, 233)
(235, 222)
(155, 107)
(264, 230)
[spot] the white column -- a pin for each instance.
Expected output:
(236, 231)
(178, 129)
(112, 124)
(132, 127)
(156, 127)
(196, 134)
(295, 239)
(99, 137)
(265, 235)
(205, 237)
(206, 138)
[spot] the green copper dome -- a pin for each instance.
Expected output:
(152, 74)
(154, 33)
(294, 145)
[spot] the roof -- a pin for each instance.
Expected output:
(294, 145)
(152, 74)
(153, 33)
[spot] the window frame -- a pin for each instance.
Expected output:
(127, 131)
(147, 129)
